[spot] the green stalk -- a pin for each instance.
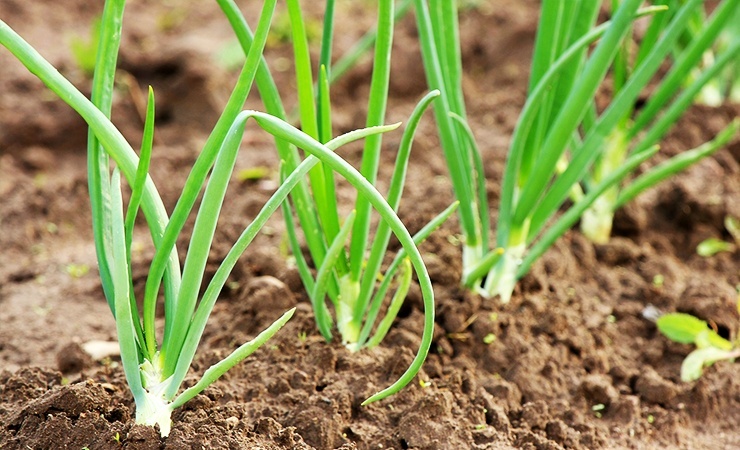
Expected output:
(581, 23)
(304, 272)
(197, 256)
(445, 27)
(544, 54)
(676, 164)
(306, 104)
(137, 189)
(108, 136)
(375, 116)
(271, 99)
(620, 67)
(395, 305)
(324, 106)
(147, 142)
(457, 157)
(383, 232)
(596, 222)
(524, 125)
(573, 20)
(472, 277)
(327, 36)
(466, 132)
(567, 220)
(331, 226)
(444, 17)
(322, 182)
(151, 408)
(361, 47)
(97, 160)
(656, 27)
(125, 318)
(323, 319)
(193, 186)
(421, 236)
(304, 78)
(555, 21)
(217, 370)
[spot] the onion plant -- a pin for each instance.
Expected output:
(347, 268)
(560, 133)
(638, 129)
(710, 346)
(711, 246)
(155, 370)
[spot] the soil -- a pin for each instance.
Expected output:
(574, 363)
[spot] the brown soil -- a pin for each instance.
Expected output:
(573, 336)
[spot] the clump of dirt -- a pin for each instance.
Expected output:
(571, 362)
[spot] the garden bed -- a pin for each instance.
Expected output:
(570, 362)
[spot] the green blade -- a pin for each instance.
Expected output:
(97, 160)
(362, 46)
(457, 156)
(196, 178)
(323, 319)
(567, 220)
(270, 96)
(676, 164)
(125, 317)
(375, 116)
(374, 307)
(142, 170)
(403, 288)
(383, 233)
(217, 370)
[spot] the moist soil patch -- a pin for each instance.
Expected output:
(571, 362)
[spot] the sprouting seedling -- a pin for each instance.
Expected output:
(346, 273)
(710, 346)
(155, 370)
(712, 246)
(559, 133)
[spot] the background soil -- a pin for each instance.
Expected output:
(572, 337)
